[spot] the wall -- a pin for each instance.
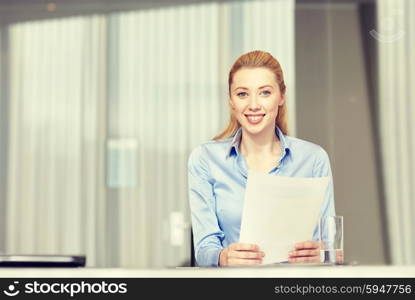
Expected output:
(3, 137)
(334, 110)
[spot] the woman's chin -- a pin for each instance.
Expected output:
(253, 129)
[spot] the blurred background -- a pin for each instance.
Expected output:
(102, 101)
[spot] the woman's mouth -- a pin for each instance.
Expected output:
(254, 119)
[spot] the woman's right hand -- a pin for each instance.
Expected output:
(241, 254)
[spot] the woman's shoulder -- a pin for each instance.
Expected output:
(210, 149)
(297, 145)
(303, 151)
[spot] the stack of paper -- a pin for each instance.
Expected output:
(280, 212)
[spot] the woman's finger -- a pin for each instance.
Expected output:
(307, 259)
(247, 254)
(244, 247)
(339, 257)
(308, 252)
(307, 245)
(244, 262)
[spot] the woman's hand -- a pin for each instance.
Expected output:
(241, 254)
(305, 252)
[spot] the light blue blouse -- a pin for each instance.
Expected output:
(217, 175)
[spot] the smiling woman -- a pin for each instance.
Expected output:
(245, 71)
(256, 139)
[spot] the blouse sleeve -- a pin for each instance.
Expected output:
(321, 169)
(207, 234)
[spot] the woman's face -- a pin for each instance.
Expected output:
(255, 98)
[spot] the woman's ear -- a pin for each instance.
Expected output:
(282, 100)
(231, 103)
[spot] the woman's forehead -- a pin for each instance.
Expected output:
(254, 77)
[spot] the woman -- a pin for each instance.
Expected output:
(255, 138)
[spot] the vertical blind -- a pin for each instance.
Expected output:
(396, 41)
(3, 139)
(55, 192)
(104, 113)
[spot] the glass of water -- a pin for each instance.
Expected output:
(331, 239)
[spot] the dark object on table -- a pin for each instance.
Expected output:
(42, 261)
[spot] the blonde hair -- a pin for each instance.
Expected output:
(256, 59)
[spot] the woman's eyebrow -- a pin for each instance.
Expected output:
(244, 88)
(264, 86)
(240, 87)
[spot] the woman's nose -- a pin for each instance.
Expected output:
(253, 103)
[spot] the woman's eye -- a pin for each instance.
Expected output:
(242, 94)
(266, 93)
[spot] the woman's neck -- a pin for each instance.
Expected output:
(264, 143)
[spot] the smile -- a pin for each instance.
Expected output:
(254, 119)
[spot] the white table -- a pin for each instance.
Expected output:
(285, 271)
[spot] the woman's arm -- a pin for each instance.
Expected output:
(321, 169)
(207, 234)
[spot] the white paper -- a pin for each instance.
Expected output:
(280, 212)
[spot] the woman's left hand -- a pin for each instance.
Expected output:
(305, 252)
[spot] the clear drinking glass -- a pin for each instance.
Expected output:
(331, 239)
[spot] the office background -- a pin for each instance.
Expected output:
(102, 101)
